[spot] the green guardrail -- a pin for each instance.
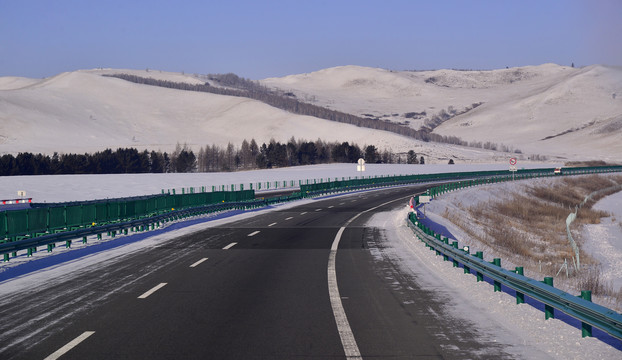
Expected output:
(475, 177)
(579, 307)
(10, 249)
(46, 219)
(49, 218)
(192, 206)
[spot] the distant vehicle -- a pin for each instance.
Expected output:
(557, 171)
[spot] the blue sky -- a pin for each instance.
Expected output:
(259, 39)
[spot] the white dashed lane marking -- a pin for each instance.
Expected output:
(155, 288)
(253, 233)
(72, 344)
(198, 262)
(230, 246)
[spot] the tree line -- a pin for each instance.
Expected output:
(248, 156)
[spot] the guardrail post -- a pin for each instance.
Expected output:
(99, 236)
(496, 284)
(586, 329)
(6, 257)
(520, 297)
(50, 247)
(454, 245)
(549, 311)
(84, 239)
(479, 275)
(467, 270)
(68, 243)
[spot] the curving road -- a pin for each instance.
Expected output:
(256, 288)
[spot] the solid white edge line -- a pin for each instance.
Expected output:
(70, 345)
(253, 233)
(348, 342)
(230, 246)
(198, 263)
(154, 289)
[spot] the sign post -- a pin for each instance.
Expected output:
(424, 199)
(513, 168)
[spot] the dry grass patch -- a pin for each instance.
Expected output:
(530, 229)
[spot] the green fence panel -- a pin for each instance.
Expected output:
(17, 222)
(89, 214)
(130, 209)
(151, 205)
(37, 220)
(101, 213)
(114, 210)
(4, 231)
(57, 217)
(140, 208)
(74, 215)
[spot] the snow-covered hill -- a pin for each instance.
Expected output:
(83, 111)
(547, 109)
(561, 112)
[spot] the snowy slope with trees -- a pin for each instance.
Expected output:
(530, 112)
(547, 109)
(83, 111)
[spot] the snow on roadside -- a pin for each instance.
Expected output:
(62, 188)
(521, 328)
(604, 240)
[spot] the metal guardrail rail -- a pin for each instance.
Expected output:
(579, 308)
(32, 243)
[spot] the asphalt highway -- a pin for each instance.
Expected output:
(258, 288)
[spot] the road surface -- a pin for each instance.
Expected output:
(264, 287)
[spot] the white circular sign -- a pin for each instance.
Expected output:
(513, 161)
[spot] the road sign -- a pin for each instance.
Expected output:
(361, 165)
(513, 161)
